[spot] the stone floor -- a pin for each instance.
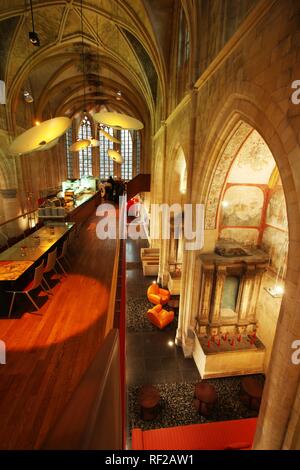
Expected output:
(153, 358)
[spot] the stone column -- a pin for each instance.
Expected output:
(154, 226)
(282, 384)
(255, 293)
(11, 209)
(292, 437)
(190, 278)
(96, 162)
(246, 296)
(163, 274)
(216, 309)
(189, 303)
(207, 281)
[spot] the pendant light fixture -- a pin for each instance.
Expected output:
(44, 135)
(33, 36)
(95, 143)
(37, 137)
(115, 156)
(81, 144)
(109, 137)
(118, 120)
(49, 146)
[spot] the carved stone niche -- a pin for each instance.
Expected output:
(229, 291)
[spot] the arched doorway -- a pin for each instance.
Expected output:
(171, 250)
(246, 207)
(276, 424)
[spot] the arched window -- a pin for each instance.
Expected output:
(85, 155)
(106, 163)
(183, 41)
(183, 56)
(69, 155)
(130, 150)
(138, 152)
(126, 152)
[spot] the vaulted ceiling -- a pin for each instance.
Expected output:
(126, 47)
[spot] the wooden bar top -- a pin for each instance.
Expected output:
(20, 257)
(12, 270)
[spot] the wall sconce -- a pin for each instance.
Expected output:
(276, 291)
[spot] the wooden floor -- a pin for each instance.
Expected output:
(47, 353)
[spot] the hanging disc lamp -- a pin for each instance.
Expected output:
(95, 143)
(80, 145)
(115, 156)
(109, 137)
(39, 136)
(49, 146)
(118, 120)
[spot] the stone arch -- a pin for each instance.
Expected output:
(176, 175)
(224, 163)
(254, 106)
(181, 169)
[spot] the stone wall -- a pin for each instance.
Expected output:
(249, 81)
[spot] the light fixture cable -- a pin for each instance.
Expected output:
(32, 18)
(83, 60)
(33, 36)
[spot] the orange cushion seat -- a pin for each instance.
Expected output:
(221, 435)
(156, 295)
(160, 317)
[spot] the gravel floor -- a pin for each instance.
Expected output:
(136, 318)
(177, 407)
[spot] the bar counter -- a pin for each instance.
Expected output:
(84, 207)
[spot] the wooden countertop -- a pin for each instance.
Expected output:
(18, 258)
(80, 201)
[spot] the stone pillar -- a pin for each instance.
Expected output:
(163, 274)
(207, 282)
(76, 172)
(246, 296)
(190, 283)
(255, 292)
(154, 226)
(11, 209)
(282, 384)
(189, 303)
(96, 162)
(292, 437)
(216, 309)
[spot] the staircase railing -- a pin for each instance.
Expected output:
(140, 184)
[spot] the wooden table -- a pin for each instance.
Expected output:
(17, 259)
(149, 402)
(251, 392)
(173, 303)
(204, 398)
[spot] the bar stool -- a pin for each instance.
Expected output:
(50, 266)
(34, 284)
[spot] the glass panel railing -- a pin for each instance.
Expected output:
(20, 226)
